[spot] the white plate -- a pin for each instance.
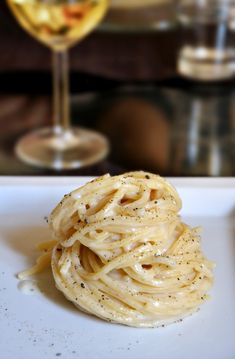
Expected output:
(45, 325)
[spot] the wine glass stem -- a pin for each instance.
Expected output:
(61, 91)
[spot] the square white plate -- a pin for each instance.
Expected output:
(46, 325)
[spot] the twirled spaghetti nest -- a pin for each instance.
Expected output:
(123, 253)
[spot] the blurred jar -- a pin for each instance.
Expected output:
(203, 134)
(207, 39)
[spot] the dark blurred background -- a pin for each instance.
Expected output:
(124, 83)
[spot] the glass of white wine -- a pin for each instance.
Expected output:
(60, 24)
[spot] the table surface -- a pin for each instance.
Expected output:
(174, 132)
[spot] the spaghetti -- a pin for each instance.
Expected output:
(123, 254)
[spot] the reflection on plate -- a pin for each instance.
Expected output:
(139, 15)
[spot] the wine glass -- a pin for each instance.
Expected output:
(60, 24)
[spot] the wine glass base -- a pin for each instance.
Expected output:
(54, 149)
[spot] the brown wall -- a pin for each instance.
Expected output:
(146, 56)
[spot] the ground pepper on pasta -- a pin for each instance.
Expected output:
(123, 254)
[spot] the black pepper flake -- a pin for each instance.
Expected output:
(147, 177)
(82, 285)
(74, 283)
(59, 249)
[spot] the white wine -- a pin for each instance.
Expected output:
(58, 23)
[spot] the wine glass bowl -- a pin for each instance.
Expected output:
(60, 24)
